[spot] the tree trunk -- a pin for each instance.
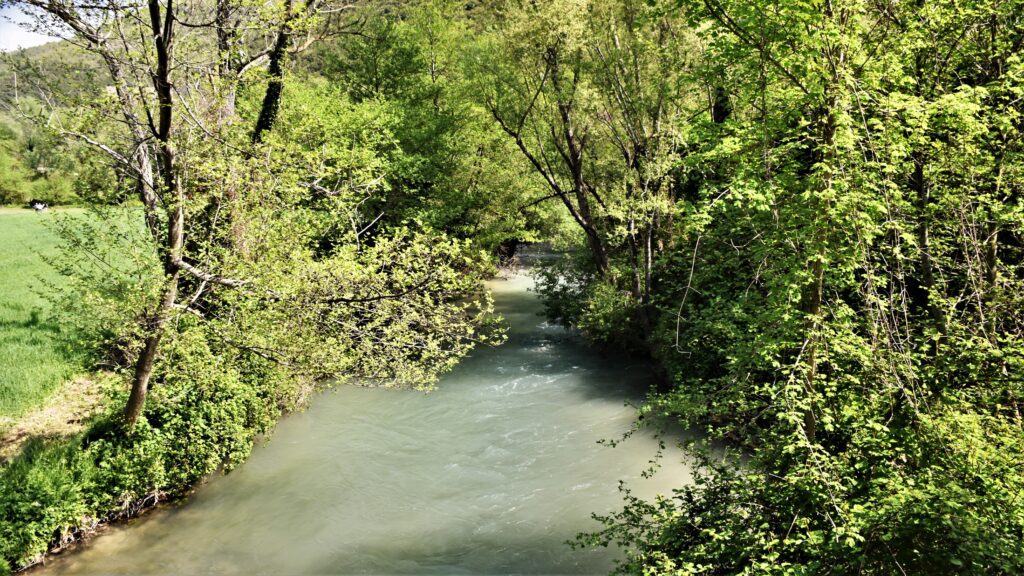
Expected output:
(598, 253)
(226, 36)
(275, 85)
(921, 288)
(923, 285)
(991, 262)
(145, 362)
(820, 222)
(634, 259)
(161, 22)
(811, 298)
(157, 321)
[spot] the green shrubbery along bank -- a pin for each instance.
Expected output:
(823, 249)
(203, 419)
(807, 213)
(212, 396)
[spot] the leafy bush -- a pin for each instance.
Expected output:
(574, 296)
(54, 189)
(399, 311)
(208, 405)
(948, 503)
(42, 497)
(14, 177)
(202, 418)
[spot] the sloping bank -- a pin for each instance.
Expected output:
(472, 479)
(206, 415)
(209, 410)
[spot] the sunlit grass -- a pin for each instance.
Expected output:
(33, 359)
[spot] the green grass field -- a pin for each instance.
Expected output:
(33, 359)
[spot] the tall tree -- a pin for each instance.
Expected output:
(178, 69)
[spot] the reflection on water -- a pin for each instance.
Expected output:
(491, 473)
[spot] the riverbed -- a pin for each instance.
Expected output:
(490, 473)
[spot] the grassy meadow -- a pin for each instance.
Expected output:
(33, 359)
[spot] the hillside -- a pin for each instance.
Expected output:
(60, 70)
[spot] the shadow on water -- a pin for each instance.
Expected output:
(519, 555)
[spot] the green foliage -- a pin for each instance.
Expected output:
(200, 419)
(41, 492)
(449, 169)
(14, 177)
(34, 165)
(340, 278)
(945, 505)
(104, 280)
(841, 296)
(574, 296)
(809, 213)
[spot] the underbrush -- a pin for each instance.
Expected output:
(205, 416)
(574, 296)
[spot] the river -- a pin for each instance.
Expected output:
(491, 473)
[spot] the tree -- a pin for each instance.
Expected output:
(595, 96)
(187, 146)
(538, 98)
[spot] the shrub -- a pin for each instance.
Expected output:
(574, 296)
(204, 416)
(14, 177)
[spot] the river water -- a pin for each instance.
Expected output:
(491, 473)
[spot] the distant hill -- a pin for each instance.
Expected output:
(60, 69)
(34, 164)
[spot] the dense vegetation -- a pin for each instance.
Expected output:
(273, 241)
(808, 213)
(811, 212)
(35, 162)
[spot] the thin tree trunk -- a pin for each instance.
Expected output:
(634, 258)
(275, 85)
(226, 35)
(157, 321)
(811, 298)
(144, 364)
(649, 259)
(161, 21)
(922, 286)
(572, 153)
(813, 293)
(812, 308)
(991, 261)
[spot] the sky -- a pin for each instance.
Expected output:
(13, 36)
